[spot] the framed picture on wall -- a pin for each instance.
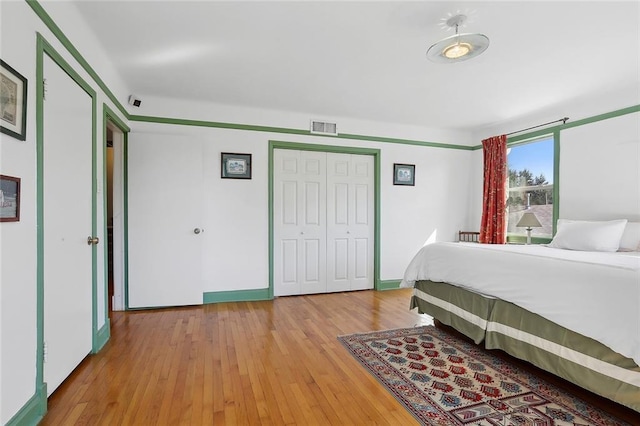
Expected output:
(13, 102)
(9, 199)
(236, 166)
(404, 174)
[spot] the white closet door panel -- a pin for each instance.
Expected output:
(300, 193)
(312, 204)
(289, 203)
(289, 262)
(362, 222)
(361, 205)
(340, 260)
(165, 207)
(67, 224)
(311, 261)
(350, 224)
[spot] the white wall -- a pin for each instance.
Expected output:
(236, 211)
(19, 25)
(600, 170)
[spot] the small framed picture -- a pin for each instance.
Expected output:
(13, 102)
(236, 166)
(9, 199)
(404, 174)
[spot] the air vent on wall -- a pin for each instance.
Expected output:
(323, 127)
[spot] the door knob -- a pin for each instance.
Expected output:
(92, 240)
(198, 230)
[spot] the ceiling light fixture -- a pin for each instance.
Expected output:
(458, 47)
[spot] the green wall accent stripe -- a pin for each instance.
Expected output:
(57, 32)
(327, 148)
(600, 117)
(389, 285)
(237, 296)
(568, 125)
(284, 130)
(32, 412)
(404, 141)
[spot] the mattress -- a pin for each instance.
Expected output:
(594, 294)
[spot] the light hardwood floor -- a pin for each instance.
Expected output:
(249, 363)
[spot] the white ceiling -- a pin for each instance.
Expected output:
(366, 60)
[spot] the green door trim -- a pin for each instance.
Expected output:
(108, 115)
(337, 149)
(44, 48)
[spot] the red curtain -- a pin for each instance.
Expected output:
(493, 228)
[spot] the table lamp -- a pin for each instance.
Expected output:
(530, 221)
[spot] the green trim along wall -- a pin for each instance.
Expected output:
(44, 48)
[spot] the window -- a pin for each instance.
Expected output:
(531, 186)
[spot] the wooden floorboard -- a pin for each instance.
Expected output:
(257, 363)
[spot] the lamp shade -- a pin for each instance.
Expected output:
(529, 220)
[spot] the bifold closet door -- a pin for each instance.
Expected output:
(323, 220)
(350, 222)
(299, 222)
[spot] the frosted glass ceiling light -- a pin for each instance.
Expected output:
(458, 47)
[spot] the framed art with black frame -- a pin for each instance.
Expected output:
(404, 174)
(13, 102)
(9, 199)
(236, 166)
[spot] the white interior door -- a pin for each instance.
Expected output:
(165, 185)
(350, 222)
(67, 177)
(299, 222)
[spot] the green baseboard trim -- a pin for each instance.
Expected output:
(102, 337)
(33, 411)
(236, 296)
(388, 285)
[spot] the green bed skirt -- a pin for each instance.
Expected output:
(528, 336)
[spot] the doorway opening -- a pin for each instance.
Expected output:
(114, 165)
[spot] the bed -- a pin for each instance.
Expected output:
(574, 313)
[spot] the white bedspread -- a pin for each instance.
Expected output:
(595, 294)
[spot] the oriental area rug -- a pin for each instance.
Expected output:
(443, 380)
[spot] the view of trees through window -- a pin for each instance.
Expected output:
(531, 185)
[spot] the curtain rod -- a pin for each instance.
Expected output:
(564, 121)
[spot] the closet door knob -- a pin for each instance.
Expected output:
(198, 231)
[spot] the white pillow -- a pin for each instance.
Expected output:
(589, 235)
(630, 240)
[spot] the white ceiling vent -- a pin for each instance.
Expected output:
(323, 127)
